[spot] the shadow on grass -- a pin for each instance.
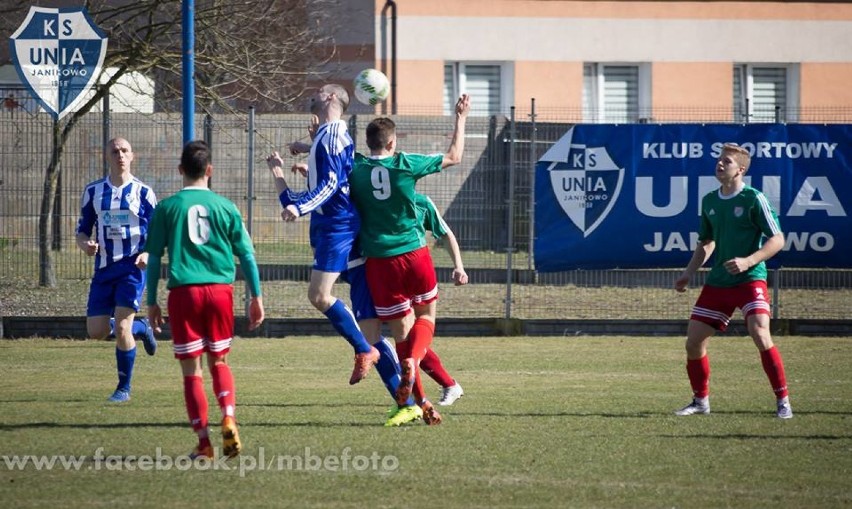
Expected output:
(631, 415)
(183, 425)
(84, 425)
(743, 436)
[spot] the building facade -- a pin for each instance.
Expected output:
(609, 61)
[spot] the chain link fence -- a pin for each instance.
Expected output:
(487, 200)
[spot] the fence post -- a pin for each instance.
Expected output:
(250, 191)
(532, 185)
(352, 127)
(776, 293)
(510, 223)
(105, 129)
(208, 139)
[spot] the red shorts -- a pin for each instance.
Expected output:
(398, 282)
(716, 305)
(201, 318)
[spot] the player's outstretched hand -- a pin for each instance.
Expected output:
(300, 168)
(681, 283)
(298, 147)
(737, 265)
(155, 318)
(256, 313)
(463, 106)
(142, 261)
(460, 277)
(290, 213)
(90, 247)
(274, 160)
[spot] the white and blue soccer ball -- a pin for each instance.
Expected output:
(371, 86)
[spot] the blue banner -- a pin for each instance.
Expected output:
(630, 196)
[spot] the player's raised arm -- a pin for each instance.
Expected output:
(456, 150)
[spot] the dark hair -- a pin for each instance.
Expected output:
(195, 159)
(379, 132)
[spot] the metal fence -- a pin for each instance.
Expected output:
(487, 200)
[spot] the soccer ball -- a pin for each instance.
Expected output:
(371, 86)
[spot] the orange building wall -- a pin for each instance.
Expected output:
(420, 87)
(624, 9)
(556, 86)
(826, 84)
(686, 91)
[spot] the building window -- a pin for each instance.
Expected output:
(765, 93)
(489, 87)
(616, 93)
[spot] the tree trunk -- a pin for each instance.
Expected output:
(46, 272)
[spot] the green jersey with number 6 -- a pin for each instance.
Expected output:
(737, 223)
(383, 192)
(202, 251)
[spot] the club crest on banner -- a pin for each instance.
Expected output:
(58, 54)
(586, 184)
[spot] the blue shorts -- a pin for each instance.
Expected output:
(117, 285)
(332, 248)
(359, 292)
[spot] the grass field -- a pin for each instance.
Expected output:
(546, 422)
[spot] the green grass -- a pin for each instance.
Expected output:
(546, 422)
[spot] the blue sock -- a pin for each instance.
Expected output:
(138, 328)
(111, 328)
(344, 323)
(124, 361)
(388, 368)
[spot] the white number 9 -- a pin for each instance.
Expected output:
(381, 182)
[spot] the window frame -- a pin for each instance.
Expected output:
(745, 111)
(598, 113)
(459, 76)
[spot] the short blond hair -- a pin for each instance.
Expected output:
(740, 155)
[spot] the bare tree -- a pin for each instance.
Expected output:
(261, 52)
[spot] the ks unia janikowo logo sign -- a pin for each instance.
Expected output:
(586, 184)
(629, 196)
(58, 54)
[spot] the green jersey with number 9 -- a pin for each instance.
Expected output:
(383, 192)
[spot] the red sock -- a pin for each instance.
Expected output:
(433, 367)
(773, 365)
(417, 390)
(403, 349)
(698, 371)
(196, 404)
(420, 338)
(223, 387)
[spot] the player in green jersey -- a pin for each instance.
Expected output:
(400, 273)
(735, 220)
(431, 364)
(202, 232)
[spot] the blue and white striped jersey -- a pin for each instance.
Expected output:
(119, 217)
(329, 166)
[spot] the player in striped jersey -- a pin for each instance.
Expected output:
(114, 215)
(735, 219)
(202, 232)
(334, 220)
